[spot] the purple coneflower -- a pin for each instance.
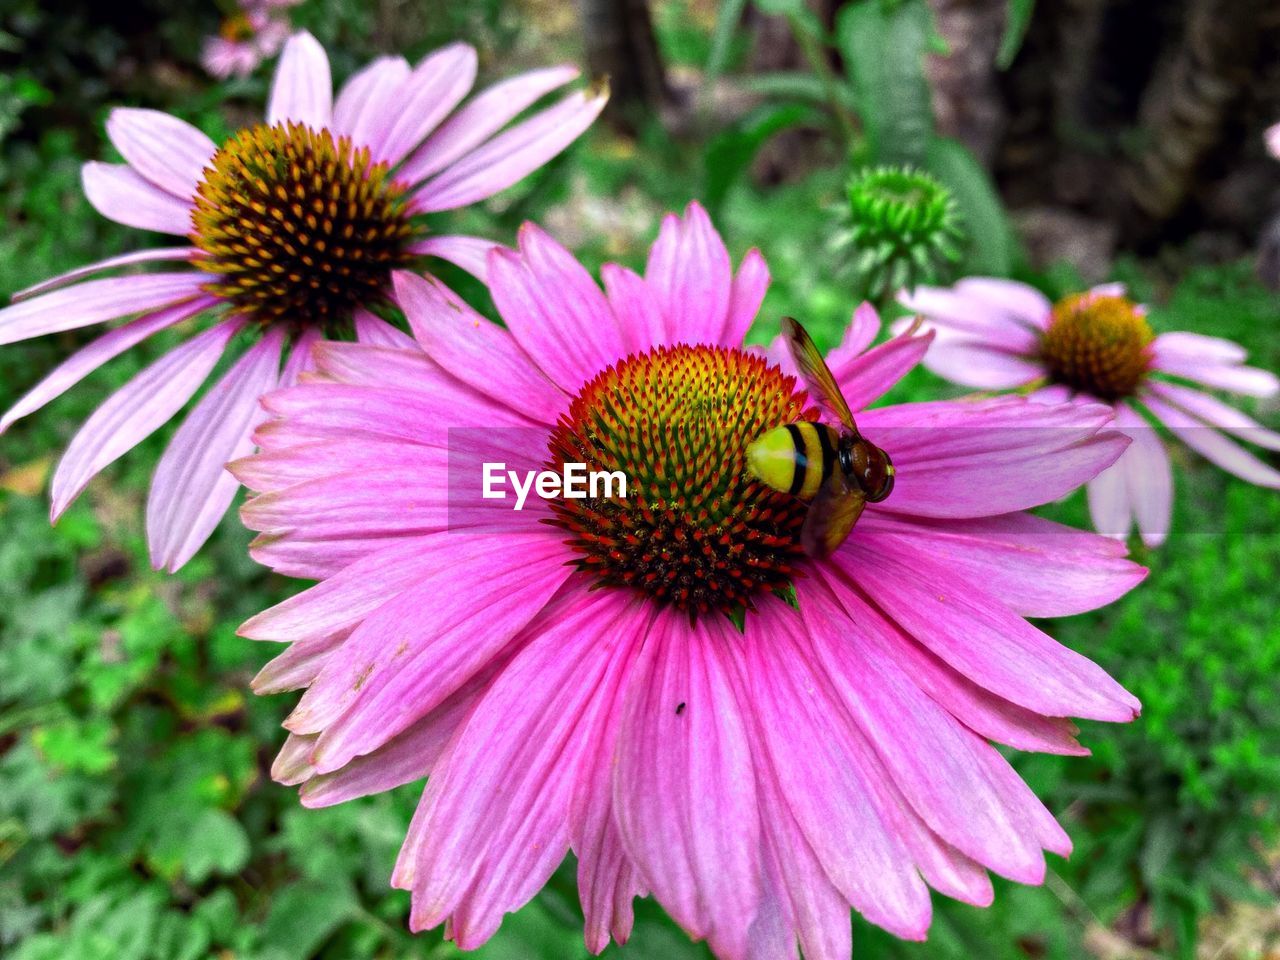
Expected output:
(296, 225)
(253, 33)
(570, 676)
(1097, 347)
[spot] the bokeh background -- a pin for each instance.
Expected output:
(1085, 140)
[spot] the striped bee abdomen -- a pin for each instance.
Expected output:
(796, 458)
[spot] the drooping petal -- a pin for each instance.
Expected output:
(480, 119)
(167, 151)
(297, 666)
(554, 309)
(125, 260)
(1148, 476)
(1038, 567)
(1215, 413)
(1213, 446)
(469, 253)
(975, 317)
(428, 95)
(1192, 347)
(96, 301)
(1213, 362)
(495, 818)
(980, 637)
(691, 277)
(137, 410)
(366, 100)
(191, 488)
(511, 155)
(975, 364)
(1009, 296)
(476, 351)
(639, 315)
(684, 783)
(302, 91)
(1108, 497)
(274, 470)
(119, 193)
(89, 358)
(388, 677)
(980, 458)
(300, 359)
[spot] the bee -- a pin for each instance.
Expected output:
(837, 471)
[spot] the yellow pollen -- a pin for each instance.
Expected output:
(1098, 344)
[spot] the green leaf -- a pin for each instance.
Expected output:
(728, 16)
(992, 246)
(731, 153)
(303, 916)
(884, 47)
(1018, 20)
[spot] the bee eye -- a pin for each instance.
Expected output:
(876, 476)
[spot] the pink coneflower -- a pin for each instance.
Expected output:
(569, 674)
(1096, 347)
(249, 36)
(1273, 140)
(295, 226)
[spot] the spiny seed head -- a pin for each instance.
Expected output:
(298, 226)
(695, 529)
(1099, 345)
(901, 228)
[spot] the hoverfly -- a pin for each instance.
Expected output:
(836, 470)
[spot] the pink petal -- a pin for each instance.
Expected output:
(980, 637)
(1011, 297)
(169, 152)
(858, 336)
(191, 488)
(976, 317)
(408, 756)
(940, 768)
(297, 666)
(987, 714)
(1148, 477)
(1108, 498)
(300, 360)
(128, 259)
(1213, 412)
(392, 673)
(89, 358)
(640, 318)
(477, 352)
(268, 471)
(119, 193)
(469, 253)
(302, 91)
(1212, 362)
(810, 752)
(1195, 347)
(1051, 394)
(745, 296)
(345, 599)
(1272, 137)
(377, 332)
(136, 410)
(512, 154)
(1213, 446)
(970, 363)
(480, 119)
(691, 277)
(866, 378)
(978, 458)
(1037, 567)
(428, 95)
(554, 309)
(494, 822)
(366, 99)
(684, 782)
(96, 301)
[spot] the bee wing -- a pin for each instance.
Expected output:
(816, 374)
(832, 515)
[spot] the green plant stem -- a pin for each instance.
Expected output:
(812, 49)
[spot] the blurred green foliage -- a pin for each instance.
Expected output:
(137, 818)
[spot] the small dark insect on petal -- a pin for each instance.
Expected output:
(680, 708)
